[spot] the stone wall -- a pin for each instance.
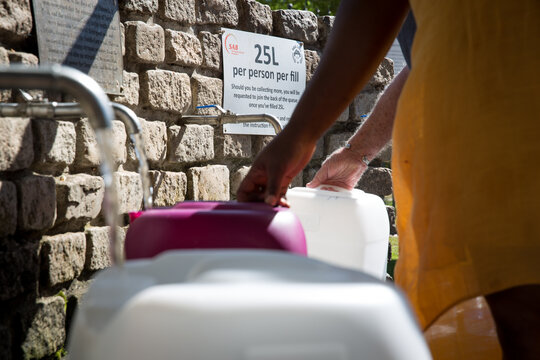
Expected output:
(52, 233)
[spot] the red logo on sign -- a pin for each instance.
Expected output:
(231, 45)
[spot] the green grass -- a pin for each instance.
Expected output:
(64, 297)
(60, 354)
(389, 200)
(394, 245)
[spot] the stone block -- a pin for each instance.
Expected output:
(16, 144)
(181, 11)
(344, 117)
(8, 208)
(233, 146)
(211, 49)
(236, 179)
(15, 21)
(335, 141)
(79, 197)
(297, 181)
(319, 149)
(259, 142)
(87, 151)
(166, 91)
(130, 90)
(97, 248)
(140, 6)
(62, 257)
(37, 202)
(385, 155)
(296, 24)
(129, 190)
(5, 95)
(376, 180)
(170, 188)
(145, 43)
(46, 325)
(4, 57)
(206, 91)
(74, 293)
(312, 61)
(154, 139)
(209, 183)
(255, 17)
(362, 105)
(182, 48)
(54, 144)
(190, 143)
(20, 268)
(383, 76)
(309, 174)
(119, 137)
(326, 23)
(217, 12)
(98, 251)
(123, 38)
(16, 57)
(392, 219)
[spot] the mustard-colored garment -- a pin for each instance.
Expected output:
(466, 151)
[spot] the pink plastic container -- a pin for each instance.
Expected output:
(214, 225)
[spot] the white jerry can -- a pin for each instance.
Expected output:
(242, 305)
(344, 228)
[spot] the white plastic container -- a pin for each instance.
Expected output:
(242, 305)
(345, 228)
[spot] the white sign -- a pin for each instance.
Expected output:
(261, 75)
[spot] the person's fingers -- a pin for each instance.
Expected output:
(319, 178)
(313, 183)
(284, 202)
(271, 196)
(342, 183)
(329, 188)
(250, 196)
(272, 193)
(337, 180)
(276, 193)
(252, 188)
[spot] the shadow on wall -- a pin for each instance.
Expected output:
(97, 25)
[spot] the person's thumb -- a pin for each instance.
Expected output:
(313, 183)
(317, 180)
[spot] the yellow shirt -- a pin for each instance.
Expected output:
(466, 142)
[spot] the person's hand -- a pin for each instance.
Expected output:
(273, 170)
(342, 168)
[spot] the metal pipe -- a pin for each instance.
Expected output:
(48, 110)
(94, 101)
(128, 117)
(230, 118)
(271, 119)
(202, 119)
(54, 110)
(96, 106)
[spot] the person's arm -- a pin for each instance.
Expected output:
(345, 166)
(362, 33)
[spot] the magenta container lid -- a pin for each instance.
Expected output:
(214, 225)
